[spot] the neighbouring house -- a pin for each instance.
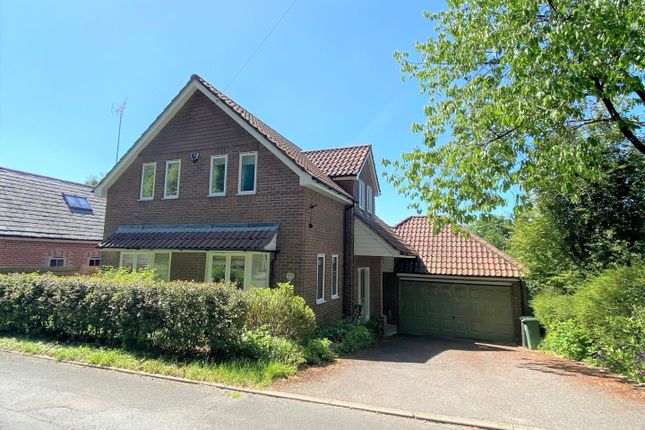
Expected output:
(48, 223)
(210, 192)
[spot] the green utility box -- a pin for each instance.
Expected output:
(530, 332)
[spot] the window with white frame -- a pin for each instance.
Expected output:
(368, 204)
(148, 173)
(171, 184)
(94, 261)
(219, 167)
(361, 194)
(247, 173)
(159, 261)
(334, 276)
(56, 261)
(244, 269)
(320, 279)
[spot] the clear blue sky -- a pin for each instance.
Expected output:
(325, 77)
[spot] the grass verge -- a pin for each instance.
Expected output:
(240, 372)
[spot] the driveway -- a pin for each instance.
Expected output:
(43, 394)
(476, 380)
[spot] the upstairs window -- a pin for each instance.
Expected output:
(369, 206)
(77, 202)
(171, 187)
(361, 194)
(219, 165)
(248, 172)
(148, 173)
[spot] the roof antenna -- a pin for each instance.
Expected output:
(119, 111)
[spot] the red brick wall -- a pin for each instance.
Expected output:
(202, 127)
(36, 253)
(188, 266)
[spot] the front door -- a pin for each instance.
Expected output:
(364, 292)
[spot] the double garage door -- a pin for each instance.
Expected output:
(471, 311)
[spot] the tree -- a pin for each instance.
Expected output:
(561, 240)
(531, 92)
(495, 229)
(93, 180)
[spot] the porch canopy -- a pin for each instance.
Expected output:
(206, 237)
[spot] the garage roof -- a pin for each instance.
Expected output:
(447, 253)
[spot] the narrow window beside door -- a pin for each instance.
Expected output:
(320, 276)
(334, 276)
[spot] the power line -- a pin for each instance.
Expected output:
(260, 45)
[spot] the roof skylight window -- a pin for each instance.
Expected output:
(77, 202)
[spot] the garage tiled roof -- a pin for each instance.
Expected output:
(282, 143)
(243, 237)
(337, 162)
(447, 253)
(33, 206)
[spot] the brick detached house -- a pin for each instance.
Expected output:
(210, 192)
(48, 223)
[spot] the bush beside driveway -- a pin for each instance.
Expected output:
(481, 381)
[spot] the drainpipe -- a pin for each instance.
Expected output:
(348, 259)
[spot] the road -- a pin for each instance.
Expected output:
(44, 394)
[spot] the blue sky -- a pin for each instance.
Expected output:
(325, 77)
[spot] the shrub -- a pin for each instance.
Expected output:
(347, 336)
(124, 274)
(259, 344)
(319, 351)
(176, 317)
(603, 322)
(281, 312)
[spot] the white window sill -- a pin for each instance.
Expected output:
(245, 193)
(320, 301)
(333, 297)
(170, 198)
(143, 199)
(217, 195)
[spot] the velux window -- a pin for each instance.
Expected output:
(148, 172)
(171, 186)
(248, 170)
(77, 202)
(219, 165)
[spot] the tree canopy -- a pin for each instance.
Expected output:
(532, 93)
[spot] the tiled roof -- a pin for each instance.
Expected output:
(287, 147)
(336, 162)
(33, 206)
(386, 232)
(447, 253)
(244, 237)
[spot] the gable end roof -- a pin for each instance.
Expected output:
(310, 175)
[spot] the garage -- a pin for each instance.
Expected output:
(456, 310)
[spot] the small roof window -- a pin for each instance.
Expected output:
(77, 202)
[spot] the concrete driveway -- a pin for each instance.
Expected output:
(476, 380)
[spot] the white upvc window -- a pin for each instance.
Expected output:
(219, 173)
(247, 173)
(171, 183)
(245, 269)
(159, 261)
(361, 194)
(334, 276)
(148, 173)
(320, 279)
(369, 207)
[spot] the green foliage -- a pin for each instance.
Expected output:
(531, 93)
(280, 311)
(347, 336)
(494, 229)
(319, 351)
(173, 317)
(125, 274)
(603, 321)
(259, 344)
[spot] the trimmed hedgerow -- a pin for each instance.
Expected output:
(171, 317)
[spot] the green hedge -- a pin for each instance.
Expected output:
(603, 322)
(170, 317)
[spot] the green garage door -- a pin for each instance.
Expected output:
(470, 311)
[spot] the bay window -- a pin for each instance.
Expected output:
(155, 260)
(244, 269)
